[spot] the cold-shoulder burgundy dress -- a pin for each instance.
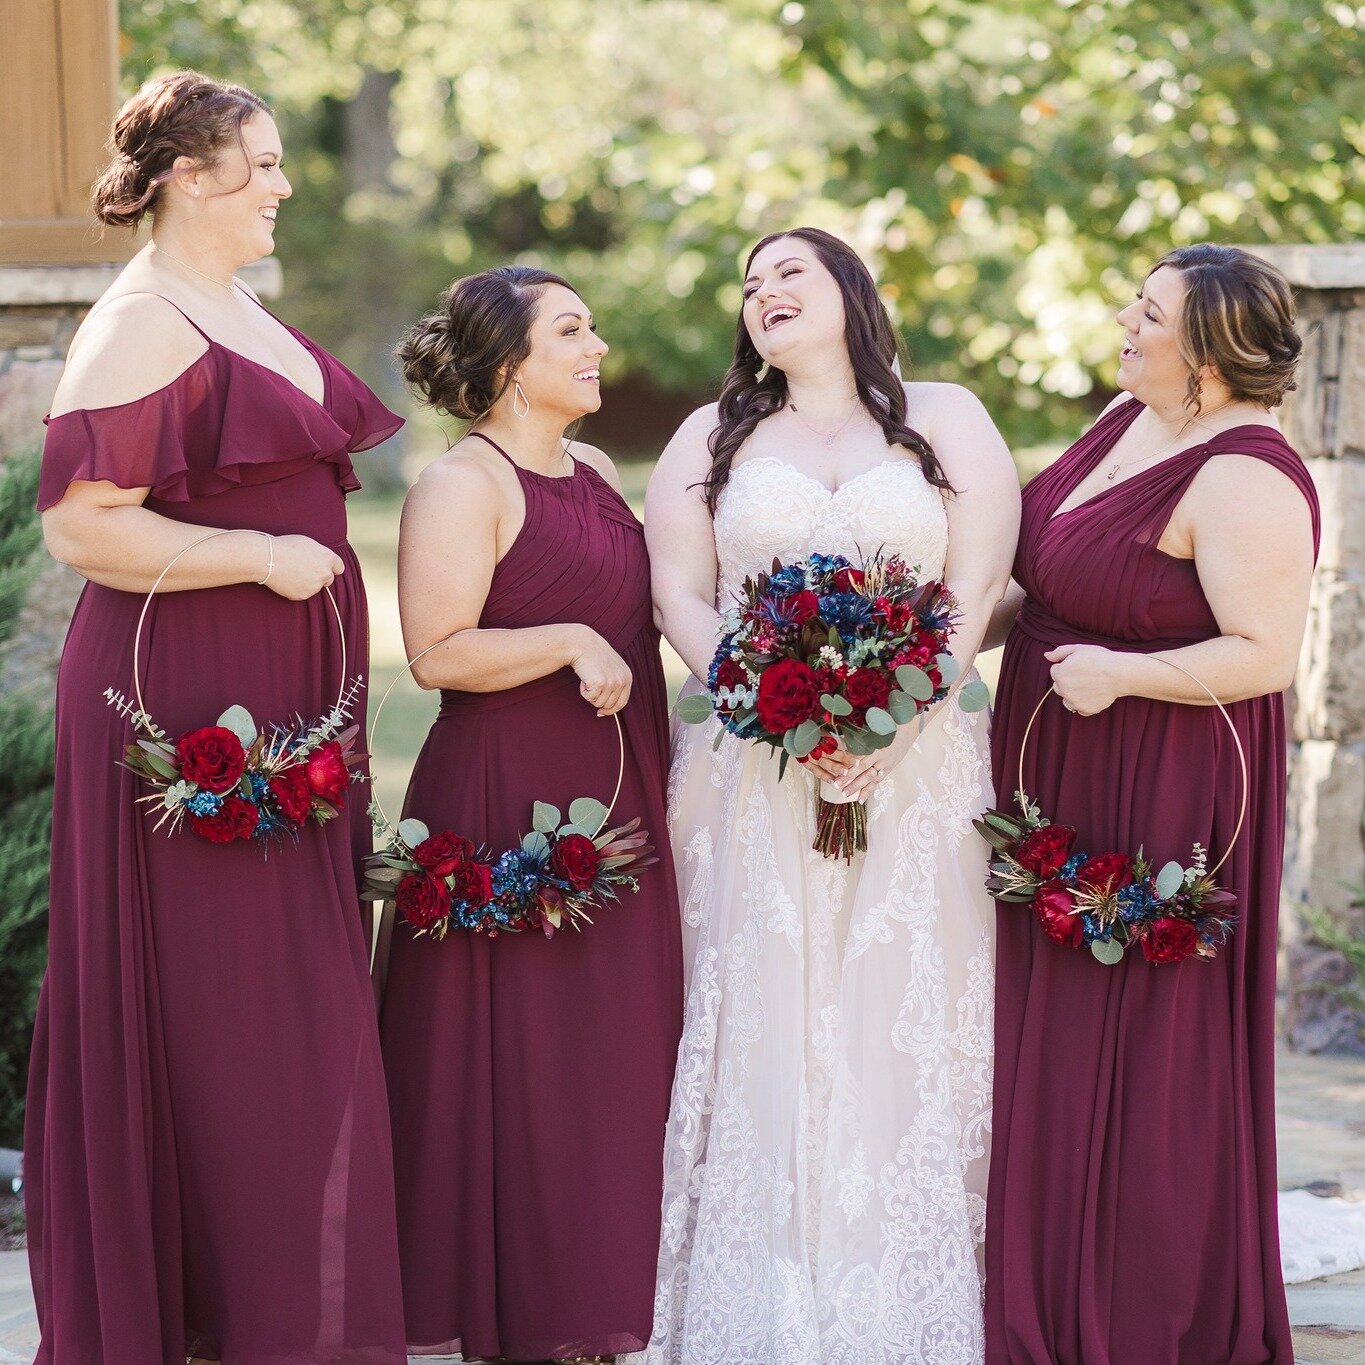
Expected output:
(207, 1149)
(1131, 1216)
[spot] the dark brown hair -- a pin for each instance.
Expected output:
(747, 396)
(463, 358)
(183, 114)
(1237, 318)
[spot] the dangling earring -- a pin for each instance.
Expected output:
(518, 395)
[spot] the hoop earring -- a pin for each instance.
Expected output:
(518, 394)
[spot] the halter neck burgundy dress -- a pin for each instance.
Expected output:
(207, 1150)
(1131, 1216)
(529, 1078)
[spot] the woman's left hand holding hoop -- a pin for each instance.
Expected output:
(301, 567)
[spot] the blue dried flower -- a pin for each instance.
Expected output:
(847, 612)
(789, 579)
(1071, 867)
(516, 875)
(204, 803)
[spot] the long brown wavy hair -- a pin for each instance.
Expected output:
(748, 395)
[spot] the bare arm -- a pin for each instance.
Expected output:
(1003, 617)
(443, 583)
(682, 544)
(1251, 533)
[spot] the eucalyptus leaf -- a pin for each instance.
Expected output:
(536, 843)
(238, 720)
(880, 741)
(915, 681)
(545, 818)
(858, 742)
(880, 722)
(1108, 951)
(948, 668)
(695, 708)
(720, 735)
(1169, 880)
(789, 742)
(782, 765)
(806, 738)
(587, 812)
(412, 832)
(903, 707)
(974, 695)
(836, 705)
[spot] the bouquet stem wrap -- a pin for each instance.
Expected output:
(840, 824)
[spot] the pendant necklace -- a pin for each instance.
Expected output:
(833, 436)
(185, 265)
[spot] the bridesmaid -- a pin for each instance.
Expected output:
(1131, 1215)
(529, 1078)
(207, 1148)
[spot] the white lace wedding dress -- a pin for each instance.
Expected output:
(826, 1155)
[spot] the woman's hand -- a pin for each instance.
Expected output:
(302, 568)
(864, 772)
(604, 676)
(1086, 677)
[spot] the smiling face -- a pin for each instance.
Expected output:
(561, 372)
(792, 304)
(1151, 366)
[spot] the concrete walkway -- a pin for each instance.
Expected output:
(1322, 1145)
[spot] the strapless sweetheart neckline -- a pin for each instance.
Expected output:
(890, 461)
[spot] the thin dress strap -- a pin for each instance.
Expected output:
(496, 447)
(151, 293)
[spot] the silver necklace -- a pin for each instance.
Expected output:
(185, 265)
(833, 436)
(1161, 449)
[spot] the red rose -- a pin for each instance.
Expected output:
(849, 580)
(731, 674)
(213, 757)
(575, 859)
(1169, 940)
(235, 819)
(1054, 909)
(421, 900)
(866, 687)
(1106, 872)
(440, 853)
(292, 794)
(327, 773)
(801, 607)
(1045, 850)
(787, 695)
(471, 883)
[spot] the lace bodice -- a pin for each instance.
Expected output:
(770, 509)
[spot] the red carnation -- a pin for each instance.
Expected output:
(787, 695)
(471, 883)
(234, 819)
(327, 774)
(866, 687)
(1106, 872)
(212, 757)
(421, 900)
(575, 859)
(1169, 940)
(848, 580)
(731, 674)
(801, 607)
(293, 796)
(1054, 908)
(1045, 850)
(440, 853)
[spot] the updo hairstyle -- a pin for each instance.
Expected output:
(462, 359)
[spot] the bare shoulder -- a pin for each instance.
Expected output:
(132, 345)
(598, 460)
(462, 477)
(1239, 487)
(964, 438)
(928, 401)
(688, 450)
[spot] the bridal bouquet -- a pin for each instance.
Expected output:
(820, 653)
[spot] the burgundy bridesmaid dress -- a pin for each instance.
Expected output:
(529, 1077)
(1131, 1216)
(207, 1151)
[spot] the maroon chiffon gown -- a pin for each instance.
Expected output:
(1131, 1216)
(207, 1149)
(529, 1077)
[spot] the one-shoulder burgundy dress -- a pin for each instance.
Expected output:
(529, 1078)
(1131, 1216)
(207, 1149)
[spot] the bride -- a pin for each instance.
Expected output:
(826, 1152)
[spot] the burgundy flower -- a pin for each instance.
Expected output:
(327, 773)
(1053, 905)
(866, 687)
(575, 859)
(213, 757)
(1169, 940)
(472, 883)
(787, 695)
(441, 853)
(421, 900)
(731, 674)
(1106, 872)
(293, 796)
(848, 580)
(234, 819)
(1045, 850)
(801, 607)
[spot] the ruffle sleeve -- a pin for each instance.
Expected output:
(356, 409)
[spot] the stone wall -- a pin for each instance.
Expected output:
(1325, 850)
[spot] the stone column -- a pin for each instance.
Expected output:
(1325, 849)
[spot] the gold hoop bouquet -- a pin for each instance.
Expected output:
(234, 780)
(1110, 901)
(559, 872)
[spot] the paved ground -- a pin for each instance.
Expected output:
(1322, 1144)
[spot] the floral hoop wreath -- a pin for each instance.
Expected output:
(234, 781)
(556, 875)
(1110, 901)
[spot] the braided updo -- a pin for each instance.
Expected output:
(462, 359)
(183, 114)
